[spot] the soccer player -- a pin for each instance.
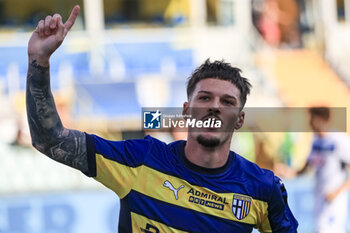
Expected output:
(197, 185)
(330, 154)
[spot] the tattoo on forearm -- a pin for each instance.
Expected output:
(46, 129)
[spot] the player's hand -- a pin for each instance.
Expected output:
(49, 35)
(344, 187)
(331, 196)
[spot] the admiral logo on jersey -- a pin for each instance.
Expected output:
(205, 199)
(241, 206)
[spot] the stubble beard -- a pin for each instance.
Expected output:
(208, 142)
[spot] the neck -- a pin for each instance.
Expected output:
(205, 156)
(322, 134)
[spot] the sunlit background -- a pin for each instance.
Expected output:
(122, 55)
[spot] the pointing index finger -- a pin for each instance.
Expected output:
(73, 15)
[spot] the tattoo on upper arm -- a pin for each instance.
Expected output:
(46, 129)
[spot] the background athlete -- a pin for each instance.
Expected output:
(329, 156)
(197, 185)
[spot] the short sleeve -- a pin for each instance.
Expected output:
(343, 148)
(279, 214)
(116, 164)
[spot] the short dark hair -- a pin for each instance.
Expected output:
(223, 71)
(322, 112)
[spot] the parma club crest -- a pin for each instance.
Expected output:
(241, 206)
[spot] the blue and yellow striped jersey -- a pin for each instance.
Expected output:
(161, 191)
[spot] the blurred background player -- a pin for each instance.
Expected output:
(330, 153)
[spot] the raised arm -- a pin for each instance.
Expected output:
(47, 132)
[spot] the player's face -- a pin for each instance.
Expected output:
(318, 124)
(219, 99)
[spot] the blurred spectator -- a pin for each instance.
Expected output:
(278, 22)
(330, 153)
(288, 22)
(268, 23)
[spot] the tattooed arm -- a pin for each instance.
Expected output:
(46, 129)
(48, 134)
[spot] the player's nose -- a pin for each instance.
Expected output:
(214, 105)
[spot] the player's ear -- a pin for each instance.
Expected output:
(185, 108)
(240, 120)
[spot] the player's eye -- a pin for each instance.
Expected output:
(229, 102)
(204, 97)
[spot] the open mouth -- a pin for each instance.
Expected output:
(212, 118)
(211, 123)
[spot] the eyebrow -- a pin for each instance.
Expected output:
(210, 93)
